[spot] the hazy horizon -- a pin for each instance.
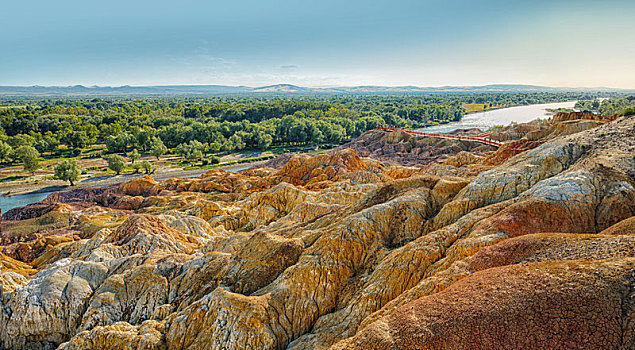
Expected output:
(329, 86)
(319, 43)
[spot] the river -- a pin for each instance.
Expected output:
(503, 116)
(9, 202)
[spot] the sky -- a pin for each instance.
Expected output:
(572, 43)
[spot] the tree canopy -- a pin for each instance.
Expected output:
(116, 162)
(68, 170)
(28, 156)
(233, 123)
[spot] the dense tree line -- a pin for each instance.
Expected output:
(194, 126)
(620, 105)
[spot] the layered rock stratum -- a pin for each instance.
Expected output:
(390, 242)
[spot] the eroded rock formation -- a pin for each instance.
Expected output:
(530, 245)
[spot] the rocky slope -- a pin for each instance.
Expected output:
(530, 245)
(405, 149)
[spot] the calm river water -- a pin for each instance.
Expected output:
(504, 116)
(8, 203)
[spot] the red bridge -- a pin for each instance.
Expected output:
(482, 138)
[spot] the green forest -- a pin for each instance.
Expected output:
(620, 105)
(198, 128)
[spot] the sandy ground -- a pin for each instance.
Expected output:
(39, 184)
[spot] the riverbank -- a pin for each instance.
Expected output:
(41, 185)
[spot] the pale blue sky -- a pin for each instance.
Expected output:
(318, 43)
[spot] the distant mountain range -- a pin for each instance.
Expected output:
(203, 90)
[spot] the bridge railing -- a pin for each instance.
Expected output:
(482, 138)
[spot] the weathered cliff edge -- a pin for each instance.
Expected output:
(531, 245)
